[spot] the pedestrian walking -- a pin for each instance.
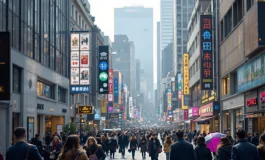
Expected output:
(255, 139)
(154, 147)
(36, 141)
(167, 146)
(243, 150)
(224, 149)
(56, 147)
(143, 146)
(94, 150)
(182, 149)
(202, 152)
(22, 150)
(72, 149)
(122, 143)
(113, 145)
(105, 139)
(133, 145)
(261, 147)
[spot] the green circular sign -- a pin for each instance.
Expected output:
(103, 76)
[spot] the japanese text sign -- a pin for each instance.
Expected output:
(206, 52)
(186, 88)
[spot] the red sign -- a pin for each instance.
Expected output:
(186, 114)
(252, 102)
(262, 97)
(110, 81)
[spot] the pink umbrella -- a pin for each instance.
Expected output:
(212, 140)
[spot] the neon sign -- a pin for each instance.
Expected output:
(252, 102)
(262, 97)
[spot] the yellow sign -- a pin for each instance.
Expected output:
(186, 88)
(85, 110)
(183, 106)
(208, 97)
(169, 98)
(103, 106)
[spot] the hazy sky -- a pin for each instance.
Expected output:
(103, 10)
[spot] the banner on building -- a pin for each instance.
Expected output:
(103, 69)
(103, 106)
(116, 90)
(111, 81)
(186, 87)
(184, 105)
(79, 67)
(179, 86)
(130, 107)
(206, 55)
(5, 66)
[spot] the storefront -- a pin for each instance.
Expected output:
(209, 117)
(193, 113)
(233, 114)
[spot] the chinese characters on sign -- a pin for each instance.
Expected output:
(186, 89)
(206, 52)
(80, 63)
(179, 86)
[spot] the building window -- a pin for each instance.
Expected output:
(249, 4)
(45, 90)
(228, 23)
(62, 94)
(237, 12)
(73, 11)
(226, 86)
(222, 30)
(76, 15)
(16, 79)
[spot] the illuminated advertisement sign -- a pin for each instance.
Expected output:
(116, 90)
(97, 114)
(179, 80)
(5, 66)
(103, 69)
(79, 58)
(186, 88)
(262, 97)
(206, 55)
(111, 81)
(251, 102)
(85, 109)
(103, 106)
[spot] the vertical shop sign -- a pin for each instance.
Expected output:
(186, 88)
(5, 66)
(110, 81)
(116, 90)
(103, 106)
(80, 63)
(103, 69)
(206, 55)
(179, 86)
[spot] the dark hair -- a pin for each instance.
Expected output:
(223, 142)
(37, 135)
(256, 134)
(241, 133)
(180, 133)
(72, 143)
(201, 140)
(20, 132)
(262, 138)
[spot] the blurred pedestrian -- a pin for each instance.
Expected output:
(261, 147)
(202, 152)
(167, 146)
(224, 149)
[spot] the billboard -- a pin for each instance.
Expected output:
(179, 86)
(5, 66)
(80, 69)
(206, 55)
(97, 114)
(103, 69)
(85, 109)
(111, 81)
(116, 90)
(186, 88)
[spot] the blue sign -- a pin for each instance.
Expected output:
(251, 74)
(169, 112)
(116, 90)
(79, 89)
(103, 66)
(97, 114)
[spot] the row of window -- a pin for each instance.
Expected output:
(44, 89)
(232, 18)
(194, 68)
(78, 19)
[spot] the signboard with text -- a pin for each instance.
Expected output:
(85, 110)
(5, 66)
(111, 81)
(206, 55)
(79, 67)
(179, 86)
(116, 90)
(103, 69)
(186, 88)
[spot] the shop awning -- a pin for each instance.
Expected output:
(201, 119)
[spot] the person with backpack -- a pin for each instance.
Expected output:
(22, 150)
(94, 151)
(72, 149)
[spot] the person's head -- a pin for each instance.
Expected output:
(249, 134)
(256, 134)
(91, 141)
(180, 134)
(240, 134)
(225, 141)
(122, 133)
(262, 139)
(168, 140)
(72, 141)
(20, 133)
(143, 137)
(37, 136)
(56, 139)
(201, 140)
(153, 135)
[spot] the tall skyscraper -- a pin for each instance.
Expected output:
(182, 10)
(166, 23)
(137, 24)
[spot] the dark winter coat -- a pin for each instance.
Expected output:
(133, 144)
(143, 145)
(96, 150)
(182, 150)
(113, 145)
(255, 140)
(224, 152)
(261, 150)
(244, 151)
(203, 153)
(153, 152)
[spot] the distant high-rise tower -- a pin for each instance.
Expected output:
(137, 24)
(182, 10)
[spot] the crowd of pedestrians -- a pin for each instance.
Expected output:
(177, 145)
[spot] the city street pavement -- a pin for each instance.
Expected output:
(138, 156)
